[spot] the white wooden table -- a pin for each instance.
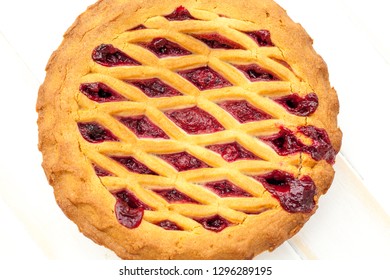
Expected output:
(353, 219)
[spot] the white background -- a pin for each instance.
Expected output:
(353, 220)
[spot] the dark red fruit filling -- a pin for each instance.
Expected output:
(214, 223)
(300, 106)
(321, 147)
(95, 133)
(261, 37)
(168, 225)
(232, 151)
(195, 121)
(101, 172)
(108, 55)
(183, 161)
(143, 127)
(138, 27)
(205, 78)
(225, 188)
(284, 63)
(131, 200)
(285, 142)
(295, 195)
(155, 88)
(217, 41)
(243, 111)
(175, 196)
(129, 210)
(257, 74)
(179, 14)
(162, 47)
(133, 165)
(100, 92)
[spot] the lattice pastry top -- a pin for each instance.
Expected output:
(187, 129)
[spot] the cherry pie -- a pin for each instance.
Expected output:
(187, 129)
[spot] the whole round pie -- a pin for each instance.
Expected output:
(188, 129)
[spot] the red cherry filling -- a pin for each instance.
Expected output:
(138, 27)
(217, 41)
(168, 225)
(101, 172)
(175, 196)
(257, 74)
(243, 111)
(284, 143)
(194, 120)
(179, 14)
(129, 210)
(162, 47)
(295, 195)
(214, 223)
(300, 106)
(183, 161)
(95, 133)
(143, 127)
(261, 37)
(133, 165)
(155, 88)
(232, 152)
(225, 188)
(100, 92)
(205, 78)
(108, 55)
(321, 147)
(284, 63)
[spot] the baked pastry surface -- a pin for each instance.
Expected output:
(187, 129)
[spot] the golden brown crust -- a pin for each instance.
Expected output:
(84, 197)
